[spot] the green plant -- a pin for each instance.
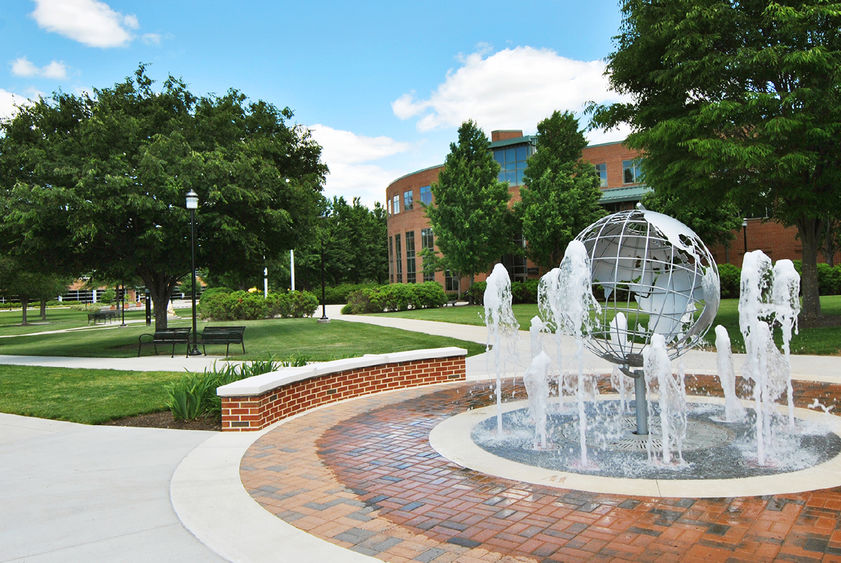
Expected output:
(189, 397)
(108, 296)
(730, 278)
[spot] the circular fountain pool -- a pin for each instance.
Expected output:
(718, 459)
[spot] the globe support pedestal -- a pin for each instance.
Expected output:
(640, 399)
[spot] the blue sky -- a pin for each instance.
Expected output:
(383, 85)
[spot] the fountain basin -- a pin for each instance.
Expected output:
(455, 439)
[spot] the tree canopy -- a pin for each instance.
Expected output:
(561, 192)
(355, 249)
(98, 182)
(737, 101)
(470, 218)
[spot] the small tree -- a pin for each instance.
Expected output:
(470, 218)
(561, 192)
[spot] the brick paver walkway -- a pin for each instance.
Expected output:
(362, 475)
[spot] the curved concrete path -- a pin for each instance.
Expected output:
(74, 492)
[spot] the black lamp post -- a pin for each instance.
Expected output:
(745, 233)
(192, 205)
(323, 318)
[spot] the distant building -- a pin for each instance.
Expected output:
(622, 186)
(409, 230)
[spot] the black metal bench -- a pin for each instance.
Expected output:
(167, 336)
(102, 316)
(226, 335)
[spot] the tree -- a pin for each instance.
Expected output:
(27, 286)
(470, 218)
(561, 192)
(737, 101)
(354, 240)
(713, 223)
(100, 181)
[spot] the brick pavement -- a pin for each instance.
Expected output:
(361, 474)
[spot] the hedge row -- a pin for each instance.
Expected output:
(521, 292)
(226, 305)
(395, 297)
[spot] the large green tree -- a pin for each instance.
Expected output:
(737, 101)
(470, 217)
(354, 246)
(98, 182)
(561, 192)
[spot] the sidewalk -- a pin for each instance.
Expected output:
(73, 492)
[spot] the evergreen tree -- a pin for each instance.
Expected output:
(561, 192)
(470, 218)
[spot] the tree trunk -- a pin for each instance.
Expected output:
(43, 308)
(160, 289)
(24, 302)
(809, 231)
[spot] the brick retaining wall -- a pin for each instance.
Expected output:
(256, 402)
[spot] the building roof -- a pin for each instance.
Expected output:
(530, 139)
(619, 195)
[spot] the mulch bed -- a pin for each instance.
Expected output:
(164, 419)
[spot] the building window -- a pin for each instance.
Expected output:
(512, 163)
(427, 241)
(450, 281)
(391, 259)
(398, 260)
(631, 173)
(411, 272)
(407, 200)
(601, 170)
(388, 204)
(395, 206)
(426, 195)
(516, 263)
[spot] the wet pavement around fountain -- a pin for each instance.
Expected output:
(359, 479)
(363, 475)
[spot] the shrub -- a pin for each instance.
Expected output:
(476, 293)
(302, 304)
(524, 292)
(195, 395)
(428, 295)
(359, 302)
(730, 280)
(214, 305)
(829, 279)
(339, 294)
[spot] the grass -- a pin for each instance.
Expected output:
(57, 319)
(89, 396)
(813, 340)
(264, 339)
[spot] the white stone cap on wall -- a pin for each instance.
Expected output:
(265, 382)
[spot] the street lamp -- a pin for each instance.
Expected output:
(745, 233)
(192, 205)
(323, 318)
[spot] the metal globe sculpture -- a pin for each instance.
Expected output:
(652, 274)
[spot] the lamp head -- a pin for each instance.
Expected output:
(192, 200)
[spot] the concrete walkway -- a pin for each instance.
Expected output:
(72, 492)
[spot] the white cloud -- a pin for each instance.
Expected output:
(352, 159)
(55, 70)
(151, 38)
(9, 102)
(510, 89)
(90, 22)
(24, 67)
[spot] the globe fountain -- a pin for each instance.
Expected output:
(640, 289)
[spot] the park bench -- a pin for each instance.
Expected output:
(171, 336)
(226, 335)
(102, 316)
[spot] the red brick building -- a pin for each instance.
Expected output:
(618, 167)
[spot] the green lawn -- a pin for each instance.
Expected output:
(264, 339)
(81, 395)
(821, 340)
(57, 319)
